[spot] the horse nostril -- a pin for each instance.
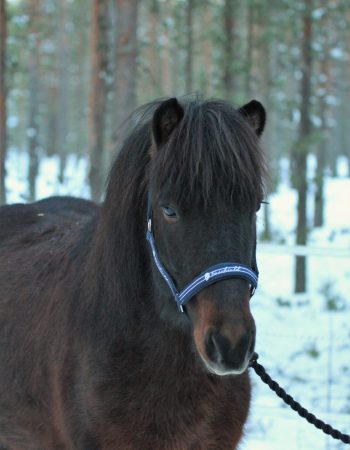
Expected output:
(229, 354)
(216, 345)
(242, 347)
(210, 346)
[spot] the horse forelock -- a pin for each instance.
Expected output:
(212, 156)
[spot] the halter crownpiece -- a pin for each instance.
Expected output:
(210, 276)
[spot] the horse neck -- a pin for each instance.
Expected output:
(115, 277)
(119, 295)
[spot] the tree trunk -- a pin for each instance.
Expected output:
(166, 54)
(319, 180)
(189, 51)
(322, 146)
(126, 58)
(207, 52)
(347, 70)
(81, 89)
(2, 100)
(228, 51)
(33, 120)
(263, 62)
(301, 151)
(51, 134)
(333, 155)
(63, 83)
(249, 51)
(97, 110)
(175, 57)
(153, 51)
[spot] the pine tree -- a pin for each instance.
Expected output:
(97, 111)
(302, 148)
(2, 100)
(126, 59)
(34, 101)
(189, 50)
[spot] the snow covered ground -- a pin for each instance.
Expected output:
(303, 341)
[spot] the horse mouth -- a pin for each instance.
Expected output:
(221, 369)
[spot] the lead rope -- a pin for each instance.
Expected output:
(289, 400)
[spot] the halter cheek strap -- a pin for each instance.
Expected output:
(210, 276)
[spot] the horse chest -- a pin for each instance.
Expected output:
(201, 417)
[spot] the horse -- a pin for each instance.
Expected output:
(95, 353)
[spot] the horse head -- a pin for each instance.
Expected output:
(204, 188)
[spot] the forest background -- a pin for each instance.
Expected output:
(71, 71)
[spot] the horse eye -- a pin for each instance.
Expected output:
(168, 211)
(263, 202)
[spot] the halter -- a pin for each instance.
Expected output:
(210, 276)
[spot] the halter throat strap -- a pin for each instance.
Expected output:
(210, 276)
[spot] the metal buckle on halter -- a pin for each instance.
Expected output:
(149, 225)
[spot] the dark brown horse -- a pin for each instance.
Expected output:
(94, 353)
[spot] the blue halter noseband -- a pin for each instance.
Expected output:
(209, 276)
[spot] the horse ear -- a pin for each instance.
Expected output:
(255, 113)
(166, 117)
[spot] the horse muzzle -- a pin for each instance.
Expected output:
(225, 356)
(224, 336)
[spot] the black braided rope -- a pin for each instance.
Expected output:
(289, 400)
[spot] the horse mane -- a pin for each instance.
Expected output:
(212, 152)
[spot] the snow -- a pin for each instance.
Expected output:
(318, 13)
(303, 340)
(338, 53)
(31, 132)
(12, 121)
(47, 181)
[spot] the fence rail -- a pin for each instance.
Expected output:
(302, 250)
